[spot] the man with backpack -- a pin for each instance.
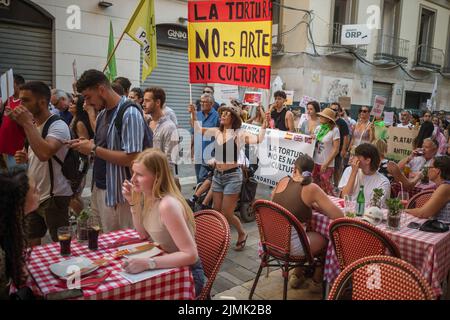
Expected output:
(120, 135)
(46, 136)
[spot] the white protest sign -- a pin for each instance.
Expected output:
(355, 34)
(388, 118)
(305, 100)
(400, 142)
(225, 93)
(280, 149)
(378, 106)
(7, 85)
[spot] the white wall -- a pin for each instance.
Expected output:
(89, 45)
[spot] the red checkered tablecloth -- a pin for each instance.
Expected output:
(176, 284)
(428, 252)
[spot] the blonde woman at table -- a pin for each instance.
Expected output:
(18, 197)
(299, 195)
(439, 204)
(161, 213)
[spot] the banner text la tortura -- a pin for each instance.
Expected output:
(230, 42)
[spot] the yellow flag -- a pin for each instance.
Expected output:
(142, 29)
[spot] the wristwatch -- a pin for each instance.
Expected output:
(94, 150)
(151, 263)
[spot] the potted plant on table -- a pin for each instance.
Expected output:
(82, 226)
(395, 208)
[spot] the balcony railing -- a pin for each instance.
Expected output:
(391, 48)
(336, 42)
(429, 57)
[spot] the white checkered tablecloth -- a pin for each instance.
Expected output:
(428, 252)
(176, 284)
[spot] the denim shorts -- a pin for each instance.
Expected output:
(199, 277)
(227, 183)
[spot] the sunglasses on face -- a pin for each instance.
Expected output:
(363, 111)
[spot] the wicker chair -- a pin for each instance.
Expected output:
(418, 200)
(355, 239)
(275, 225)
(381, 278)
(213, 239)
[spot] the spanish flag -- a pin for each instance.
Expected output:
(142, 29)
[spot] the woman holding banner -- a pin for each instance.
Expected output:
(327, 148)
(227, 179)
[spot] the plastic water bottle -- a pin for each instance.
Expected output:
(360, 202)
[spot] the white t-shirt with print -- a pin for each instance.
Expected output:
(325, 148)
(418, 163)
(40, 171)
(375, 181)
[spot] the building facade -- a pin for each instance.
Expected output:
(409, 51)
(41, 39)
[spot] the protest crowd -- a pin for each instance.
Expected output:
(40, 126)
(128, 143)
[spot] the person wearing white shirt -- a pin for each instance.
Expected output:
(364, 172)
(419, 159)
(405, 118)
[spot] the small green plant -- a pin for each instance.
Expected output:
(84, 215)
(378, 193)
(395, 206)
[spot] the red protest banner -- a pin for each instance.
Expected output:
(230, 42)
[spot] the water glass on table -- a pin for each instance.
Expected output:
(349, 207)
(65, 239)
(403, 196)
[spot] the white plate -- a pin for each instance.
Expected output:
(65, 268)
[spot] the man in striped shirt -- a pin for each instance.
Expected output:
(113, 154)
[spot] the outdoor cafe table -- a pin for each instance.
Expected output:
(428, 252)
(176, 284)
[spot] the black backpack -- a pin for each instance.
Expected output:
(148, 134)
(75, 165)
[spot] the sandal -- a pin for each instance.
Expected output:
(240, 245)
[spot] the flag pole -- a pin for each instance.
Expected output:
(114, 51)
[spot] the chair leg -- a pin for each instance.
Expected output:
(255, 282)
(286, 279)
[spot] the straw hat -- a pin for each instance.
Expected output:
(235, 111)
(328, 114)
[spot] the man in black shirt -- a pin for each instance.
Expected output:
(345, 139)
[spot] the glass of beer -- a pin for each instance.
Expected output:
(93, 231)
(65, 238)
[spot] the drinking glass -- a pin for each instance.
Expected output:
(65, 239)
(93, 230)
(403, 196)
(349, 207)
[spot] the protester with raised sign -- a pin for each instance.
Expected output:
(363, 171)
(209, 118)
(227, 179)
(282, 118)
(309, 126)
(364, 130)
(298, 195)
(438, 206)
(327, 148)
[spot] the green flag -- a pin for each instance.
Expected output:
(111, 71)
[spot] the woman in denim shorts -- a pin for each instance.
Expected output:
(227, 179)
